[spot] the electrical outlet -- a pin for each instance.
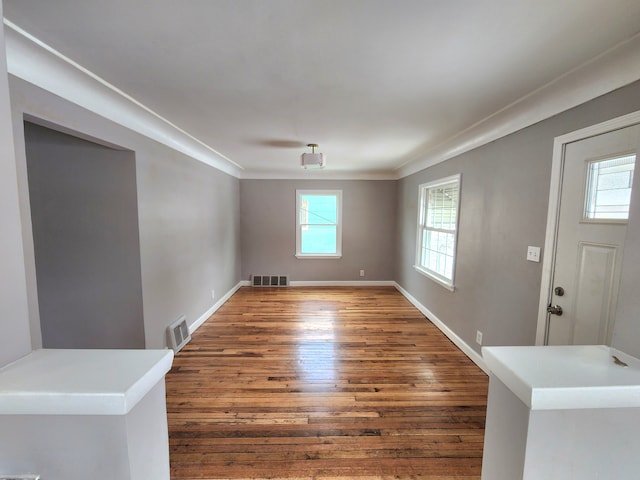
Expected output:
(213, 294)
(362, 273)
(533, 254)
(479, 337)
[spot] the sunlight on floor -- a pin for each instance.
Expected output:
(316, 351)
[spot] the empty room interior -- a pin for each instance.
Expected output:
(319, 239)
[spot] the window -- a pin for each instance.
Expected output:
(609, 189)
(437, 229)
(319, 223)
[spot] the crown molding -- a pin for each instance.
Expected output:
(325, 174)
(36, 62)
(609, 71)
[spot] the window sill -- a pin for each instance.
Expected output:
(317, 256)
(439, 281)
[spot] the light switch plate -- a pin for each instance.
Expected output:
(533, 254)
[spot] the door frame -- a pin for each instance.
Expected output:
(553, 213)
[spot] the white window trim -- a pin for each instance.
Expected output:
(443, 281)
(338, 254)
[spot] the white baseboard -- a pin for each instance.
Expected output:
(474, 356)
(343, 283)
(334, 283)
(203, 318)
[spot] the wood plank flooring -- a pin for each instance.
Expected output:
(324, 383)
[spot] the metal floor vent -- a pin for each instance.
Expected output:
(178, 333)
(269, 280)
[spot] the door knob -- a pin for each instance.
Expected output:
(554, 310)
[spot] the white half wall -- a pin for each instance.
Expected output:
(15, 340)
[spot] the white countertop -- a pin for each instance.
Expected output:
(567, 377)
(80, 382)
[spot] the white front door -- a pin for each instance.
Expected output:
(594, 205)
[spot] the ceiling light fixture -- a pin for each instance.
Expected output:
(313, 159)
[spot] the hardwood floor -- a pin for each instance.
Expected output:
(324, 383)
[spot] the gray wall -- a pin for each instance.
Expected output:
(84, 215)
(504, 197)
(368, 234)
(15, 338)
(188, 215)
(189, 235)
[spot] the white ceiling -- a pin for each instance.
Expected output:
(376, 83)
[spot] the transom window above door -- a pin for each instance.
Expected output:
(608, 191)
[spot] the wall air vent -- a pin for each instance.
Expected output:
(269, 280)
(178, 334)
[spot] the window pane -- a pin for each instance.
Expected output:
(437, 252)
(448, 269)
(319, 239)
(319, 209)
(442, 206)
(609, 188)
